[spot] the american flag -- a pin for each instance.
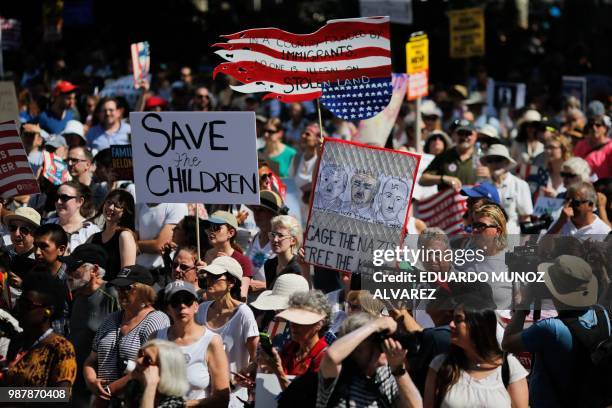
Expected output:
(16, 177)
(444, 209)
(346, 63)
(141, 61)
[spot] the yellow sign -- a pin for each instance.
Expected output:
(467, 33)
(417, 54)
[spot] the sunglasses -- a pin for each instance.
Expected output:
(182, 267)
(596, 124)
(182, 299)
(115, 204)
(577, 203)
(464, 133)
(568, 175)
(214, 227)
(270, 130)
(430, 117)
(25, 230)
(65, 197)
(494, 159)
(127, 288)
(215, 278)
(479, 226)
(265, 176)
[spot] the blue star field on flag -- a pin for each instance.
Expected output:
(357, 99)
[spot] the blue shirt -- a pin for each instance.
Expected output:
(98, 139)
(553, 344)
(52, 124)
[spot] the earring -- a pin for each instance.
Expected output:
(47, 312)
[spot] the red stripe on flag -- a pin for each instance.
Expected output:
(10, 132)
(346, 55)
(293, 97)
(28, 185)
(248, 72)
(8, 146)
(334, 31)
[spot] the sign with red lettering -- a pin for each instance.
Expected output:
(346, 63)
(16, 176)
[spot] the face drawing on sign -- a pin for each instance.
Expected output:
(392, 200)
(332, 183)
(363, 189)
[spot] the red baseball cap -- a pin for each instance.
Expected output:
(155, 101)
(64, 87)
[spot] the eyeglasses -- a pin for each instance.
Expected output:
(201, 96)
(479, 226)
(265, 176)
(551, 147)
(214, 227)
(115, 204)
(270, 130)
(25, 230)
(182, 299)
(273, 235)
(565, 174)
(71, 160)
(577, 203)
(182, 267)
(64, 198)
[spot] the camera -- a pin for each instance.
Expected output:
(409, 341)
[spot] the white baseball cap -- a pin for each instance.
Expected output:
(74, 127)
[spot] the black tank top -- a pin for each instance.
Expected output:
(114, 256)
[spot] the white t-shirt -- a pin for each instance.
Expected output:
(149, 223)
(515, 198)
(597, 227)
(79, 237)
(198, 375)
(486, 392)
(234, 334)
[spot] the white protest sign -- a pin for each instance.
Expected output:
(201, 157)
(420, 192)
(360, 204)
(548, 205)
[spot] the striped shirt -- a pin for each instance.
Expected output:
(380, 391)
(114, 348)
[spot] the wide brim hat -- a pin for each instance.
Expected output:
(225, 264)
(301, 316)
(270, 201)
(501, 151)
(24, 214)
(278, 298)
(570, 280)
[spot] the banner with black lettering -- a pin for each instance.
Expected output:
(200, 157)
(360, 203)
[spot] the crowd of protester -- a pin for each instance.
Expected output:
(122, 303)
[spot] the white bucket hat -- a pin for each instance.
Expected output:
(499, 150)
(278, 297)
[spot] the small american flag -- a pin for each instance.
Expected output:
(141, 61)
(16, 176)
(346, 63)
(444, 209)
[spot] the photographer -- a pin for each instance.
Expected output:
(365, 367)
(563, 374)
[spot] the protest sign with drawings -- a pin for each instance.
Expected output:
(122, 163)
(360, 203)
(346, 63)
(16, 177)
(506, 94)
(202, 157)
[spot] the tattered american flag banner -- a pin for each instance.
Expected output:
(141, 61)
(346, 63)
(444, 210)
(16, 177)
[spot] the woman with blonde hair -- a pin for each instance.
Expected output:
(160, 377)
(363, 301)
(557, 150)
(286, 239)
(275, 150)
(121, 335)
